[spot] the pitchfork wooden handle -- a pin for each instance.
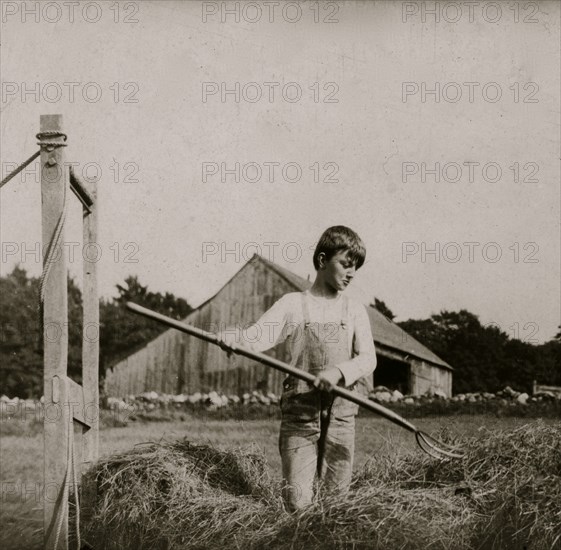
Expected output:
(298, 373)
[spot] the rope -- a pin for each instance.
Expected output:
(43, 143)
(64, 491)
(76, 499)
(49, 144)
(19, 168)
(52, 246)
(70, 463)
(47, 264)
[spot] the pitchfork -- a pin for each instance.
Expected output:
(430, 445)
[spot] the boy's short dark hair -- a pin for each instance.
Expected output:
(337, 238)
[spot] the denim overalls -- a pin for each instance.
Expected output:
(317, 429)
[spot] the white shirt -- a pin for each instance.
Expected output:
(286, 316)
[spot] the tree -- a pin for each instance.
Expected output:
(20, 346)
(549, 368)
(124, 332)
(383, 308)
(484, 357)
(121, 332)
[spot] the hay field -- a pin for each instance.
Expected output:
(377, 439)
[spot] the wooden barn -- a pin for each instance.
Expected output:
(177, 363)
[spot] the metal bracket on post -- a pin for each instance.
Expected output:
(56, 389)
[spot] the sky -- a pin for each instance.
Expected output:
(220, 129)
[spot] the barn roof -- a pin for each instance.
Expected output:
(384, 331)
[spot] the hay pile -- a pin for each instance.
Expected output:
(506, 494)
(176, 495)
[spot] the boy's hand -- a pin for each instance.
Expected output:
(327, 379)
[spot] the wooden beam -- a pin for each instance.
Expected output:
(80, 190)
(81, 411)
(54, 184)
(90, 356)
(90, 335)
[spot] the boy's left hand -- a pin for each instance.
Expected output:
(327, 379)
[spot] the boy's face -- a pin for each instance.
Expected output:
(339, 271)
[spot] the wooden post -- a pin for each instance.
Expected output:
(54, 184)
(90, 332)
(64, 400)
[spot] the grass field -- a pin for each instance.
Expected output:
(21, 455)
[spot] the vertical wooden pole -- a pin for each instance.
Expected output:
(90, 352)
(54, 182)
(90, 332)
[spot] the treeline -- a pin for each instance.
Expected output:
(120, 332)
(485, 358)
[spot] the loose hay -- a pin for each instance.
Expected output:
(505, 494)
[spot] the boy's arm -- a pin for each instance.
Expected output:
(364, 362)
(264, 334)
(361, 365)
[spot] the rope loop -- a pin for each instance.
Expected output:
(48, 143)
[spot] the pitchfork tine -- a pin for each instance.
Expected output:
(434, 447)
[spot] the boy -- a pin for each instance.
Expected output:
(328, 335)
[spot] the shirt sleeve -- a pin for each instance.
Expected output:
(270, 329)
(364, 361)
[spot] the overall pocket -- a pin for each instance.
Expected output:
(299, 401)
(343, 407)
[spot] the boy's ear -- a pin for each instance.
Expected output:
(321, 260)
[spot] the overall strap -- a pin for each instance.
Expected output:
(345, 312)
(305, 310)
